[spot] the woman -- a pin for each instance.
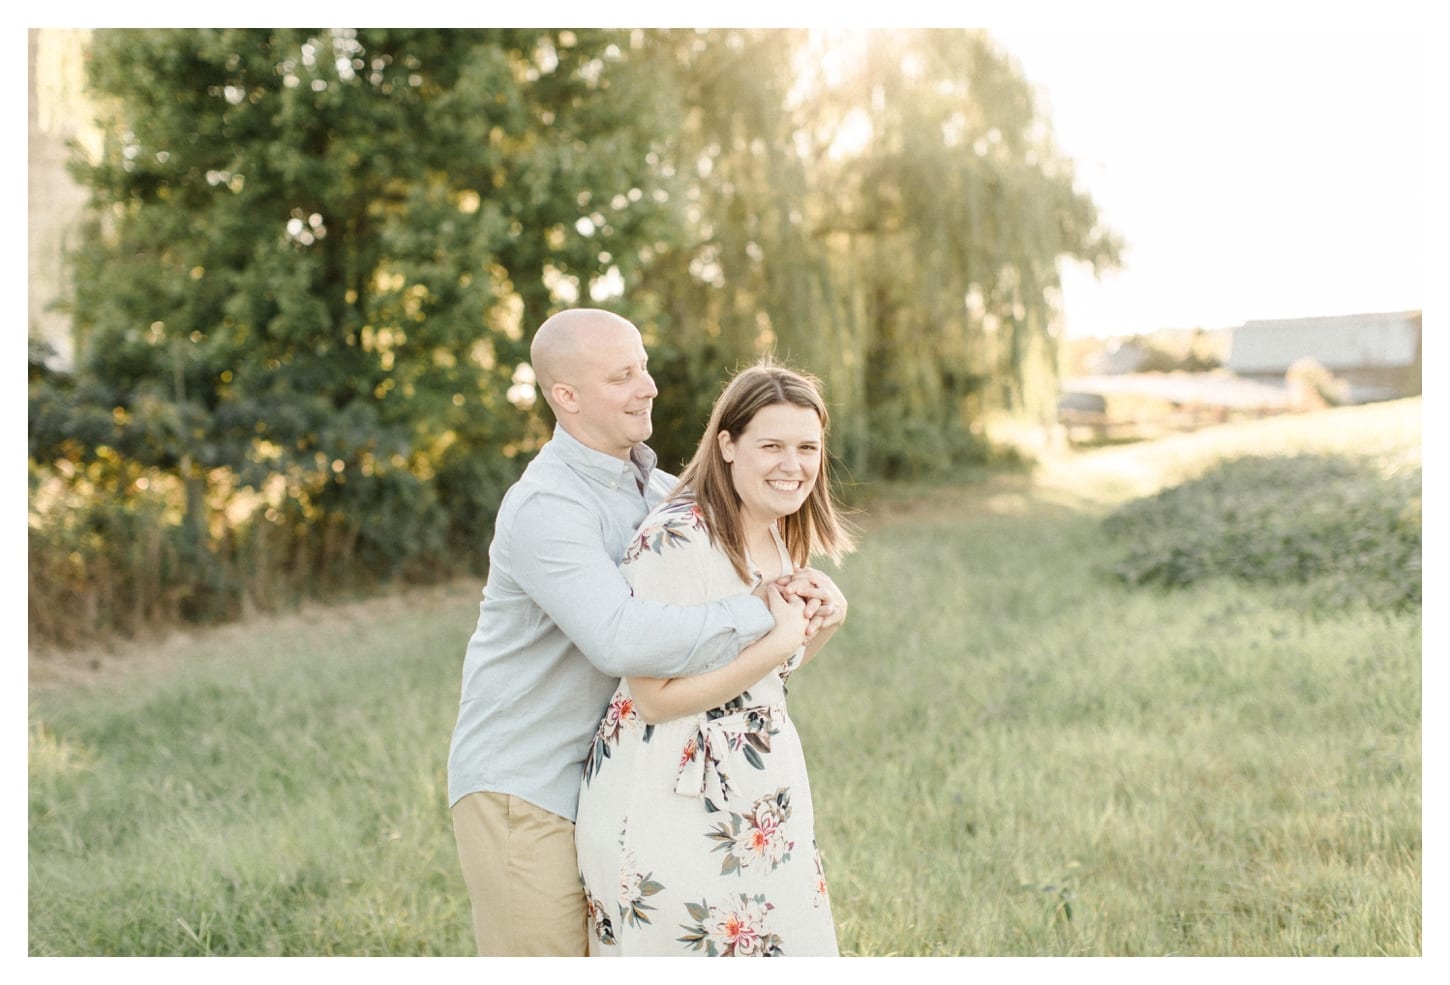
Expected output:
(695, 828)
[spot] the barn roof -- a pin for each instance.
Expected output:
(1378, 340)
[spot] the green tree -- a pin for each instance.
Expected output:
(314, 258)
(303, 310)
(957, 210)
(713, 297)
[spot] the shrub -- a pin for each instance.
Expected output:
(1343, 527)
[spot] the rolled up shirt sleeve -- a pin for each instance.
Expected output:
(558, 556)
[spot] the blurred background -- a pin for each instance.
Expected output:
(283, 281)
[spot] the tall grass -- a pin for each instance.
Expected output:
(1012, 753)
(276, 789)
(1017, 757)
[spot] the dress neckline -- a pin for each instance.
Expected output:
(786, 565)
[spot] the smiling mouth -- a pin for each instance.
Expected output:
(782, 485)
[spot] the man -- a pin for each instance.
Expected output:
(557, 628)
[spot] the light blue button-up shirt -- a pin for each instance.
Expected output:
(558, 627)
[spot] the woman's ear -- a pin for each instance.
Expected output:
(727, 446)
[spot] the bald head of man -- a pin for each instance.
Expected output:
(593, 371)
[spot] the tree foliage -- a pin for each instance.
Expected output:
(887, 209)
(303, 308)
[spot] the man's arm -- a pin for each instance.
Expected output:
(557, 556)
(662, 699)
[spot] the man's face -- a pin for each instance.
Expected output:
(613, 390)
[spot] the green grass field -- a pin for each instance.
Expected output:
(1011, 752)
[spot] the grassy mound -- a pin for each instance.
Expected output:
(1344, 527)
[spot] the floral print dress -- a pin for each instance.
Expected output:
(696, 836)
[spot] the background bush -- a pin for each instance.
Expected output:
(1344, 527)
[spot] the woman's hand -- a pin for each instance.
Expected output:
(825, 602)
(792, 625)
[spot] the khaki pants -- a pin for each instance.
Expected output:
(522, 876)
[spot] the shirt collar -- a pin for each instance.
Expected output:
(601, 466)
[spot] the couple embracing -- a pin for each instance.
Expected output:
(624, 776)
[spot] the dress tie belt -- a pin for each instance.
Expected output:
(714, 740)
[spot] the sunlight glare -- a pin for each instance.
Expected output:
(853, 135)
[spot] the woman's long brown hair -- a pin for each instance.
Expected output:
(814, 529)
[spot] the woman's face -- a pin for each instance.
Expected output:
(775, 461)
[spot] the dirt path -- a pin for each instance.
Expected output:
(157, 653)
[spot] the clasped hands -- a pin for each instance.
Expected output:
(825, 603)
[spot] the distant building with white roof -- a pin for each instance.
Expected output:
(1377, 356)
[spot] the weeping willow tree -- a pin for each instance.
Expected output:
(742, 276)
(885, 208)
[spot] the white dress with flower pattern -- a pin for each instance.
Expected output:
(696, 836)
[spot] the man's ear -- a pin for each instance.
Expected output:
(565, 400)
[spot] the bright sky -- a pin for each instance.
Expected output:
(1253, 175)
